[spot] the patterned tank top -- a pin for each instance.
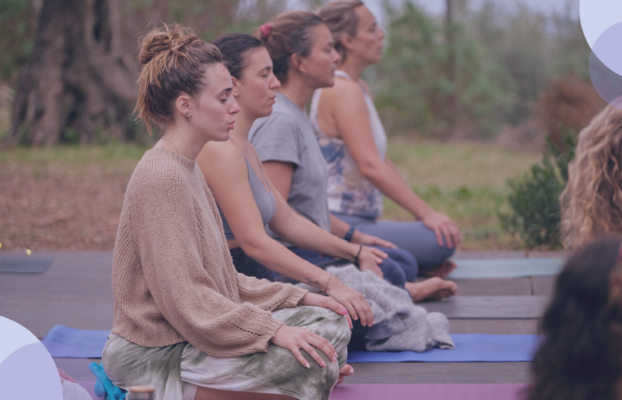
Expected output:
(349, 192)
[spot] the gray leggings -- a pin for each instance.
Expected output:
(413, 236)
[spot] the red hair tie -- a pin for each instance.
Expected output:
(265, 29)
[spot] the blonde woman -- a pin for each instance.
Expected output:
(592, 200)
(354, 144)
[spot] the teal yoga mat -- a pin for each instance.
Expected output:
(507, 268)
(63, 341)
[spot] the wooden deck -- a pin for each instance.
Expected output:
(76, 291)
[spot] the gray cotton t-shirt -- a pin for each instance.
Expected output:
(286, 135)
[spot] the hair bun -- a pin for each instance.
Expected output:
(175, 39)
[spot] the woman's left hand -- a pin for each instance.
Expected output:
(443, 226)
(317, 300)
(363, 238)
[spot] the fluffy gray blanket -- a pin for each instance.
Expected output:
(398, 323)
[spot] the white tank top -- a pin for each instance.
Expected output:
(349, 192)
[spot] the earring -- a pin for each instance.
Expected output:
(187, 117)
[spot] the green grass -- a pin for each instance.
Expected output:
(463, 180)
(466, 181)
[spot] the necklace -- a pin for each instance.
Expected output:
(163, 138)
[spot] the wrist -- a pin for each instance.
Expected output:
(423, 214)
(349, 234)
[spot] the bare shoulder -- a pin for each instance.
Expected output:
(220, 156)
(343, 92)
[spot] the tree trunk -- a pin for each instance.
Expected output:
(76, 86)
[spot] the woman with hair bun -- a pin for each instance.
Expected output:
(592, 200)
(301, 48)
(354, 144)
(580, 355)
(185, 321)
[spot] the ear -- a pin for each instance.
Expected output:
(346, 41)
(183, 104)
(298, 63)
(236, 87)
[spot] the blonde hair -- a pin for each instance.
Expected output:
(592, 200)
(340, 18)
(174, 60)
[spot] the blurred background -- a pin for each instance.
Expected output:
(482, 100)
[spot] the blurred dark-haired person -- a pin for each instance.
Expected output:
(592, 200)
(304, 59)
(354, 144)
(580, 357)
(185, 321)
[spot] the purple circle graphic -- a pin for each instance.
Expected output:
(606, 66)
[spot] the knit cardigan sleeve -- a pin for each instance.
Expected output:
(269, 295)
(186, 285)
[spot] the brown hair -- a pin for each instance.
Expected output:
(288, 33)
(592, 200)
(174, 60)
(340, 18)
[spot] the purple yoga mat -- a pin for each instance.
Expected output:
(428, 391)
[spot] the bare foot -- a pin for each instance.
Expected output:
(443, 270)
(344, 371)
(431, 289)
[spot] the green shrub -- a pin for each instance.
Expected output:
(535, 213)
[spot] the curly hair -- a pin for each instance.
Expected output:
(580, 357)
(592, 200)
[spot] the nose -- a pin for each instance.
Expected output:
(274, 83)
(382, 33)
(234, 108)
(336, 57)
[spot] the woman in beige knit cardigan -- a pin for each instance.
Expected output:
(185, 321)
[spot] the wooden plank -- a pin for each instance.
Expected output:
(482, 255)
(495, 326)
(440, 373)
(484, 307)
(543, 285)
(40, 316)
(494, 287)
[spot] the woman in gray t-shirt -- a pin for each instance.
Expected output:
(285, 142)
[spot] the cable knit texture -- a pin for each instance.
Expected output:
(173, 278)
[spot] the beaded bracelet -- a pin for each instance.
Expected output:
(356, 259)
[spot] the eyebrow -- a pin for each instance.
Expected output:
(225, 90)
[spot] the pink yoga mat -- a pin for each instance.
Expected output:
(423, 391)
(428, 391)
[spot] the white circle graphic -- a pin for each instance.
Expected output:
(597, 16)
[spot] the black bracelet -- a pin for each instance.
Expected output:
(349, 234)
(356, 259)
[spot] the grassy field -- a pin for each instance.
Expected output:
(466, 181)
(70, 197)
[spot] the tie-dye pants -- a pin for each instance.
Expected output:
(177, 370)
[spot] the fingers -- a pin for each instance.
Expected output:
(439, 236)
(383, 243)
(352, 311)
(323, 344)
(455, 233)
(378, 252)
(449, 240)
(296, 352)
(364, 312)
(339, 309)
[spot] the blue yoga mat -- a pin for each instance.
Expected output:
(469, 348)
(65, 342)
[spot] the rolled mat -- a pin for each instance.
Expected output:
(65, 342)
(424, 391)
